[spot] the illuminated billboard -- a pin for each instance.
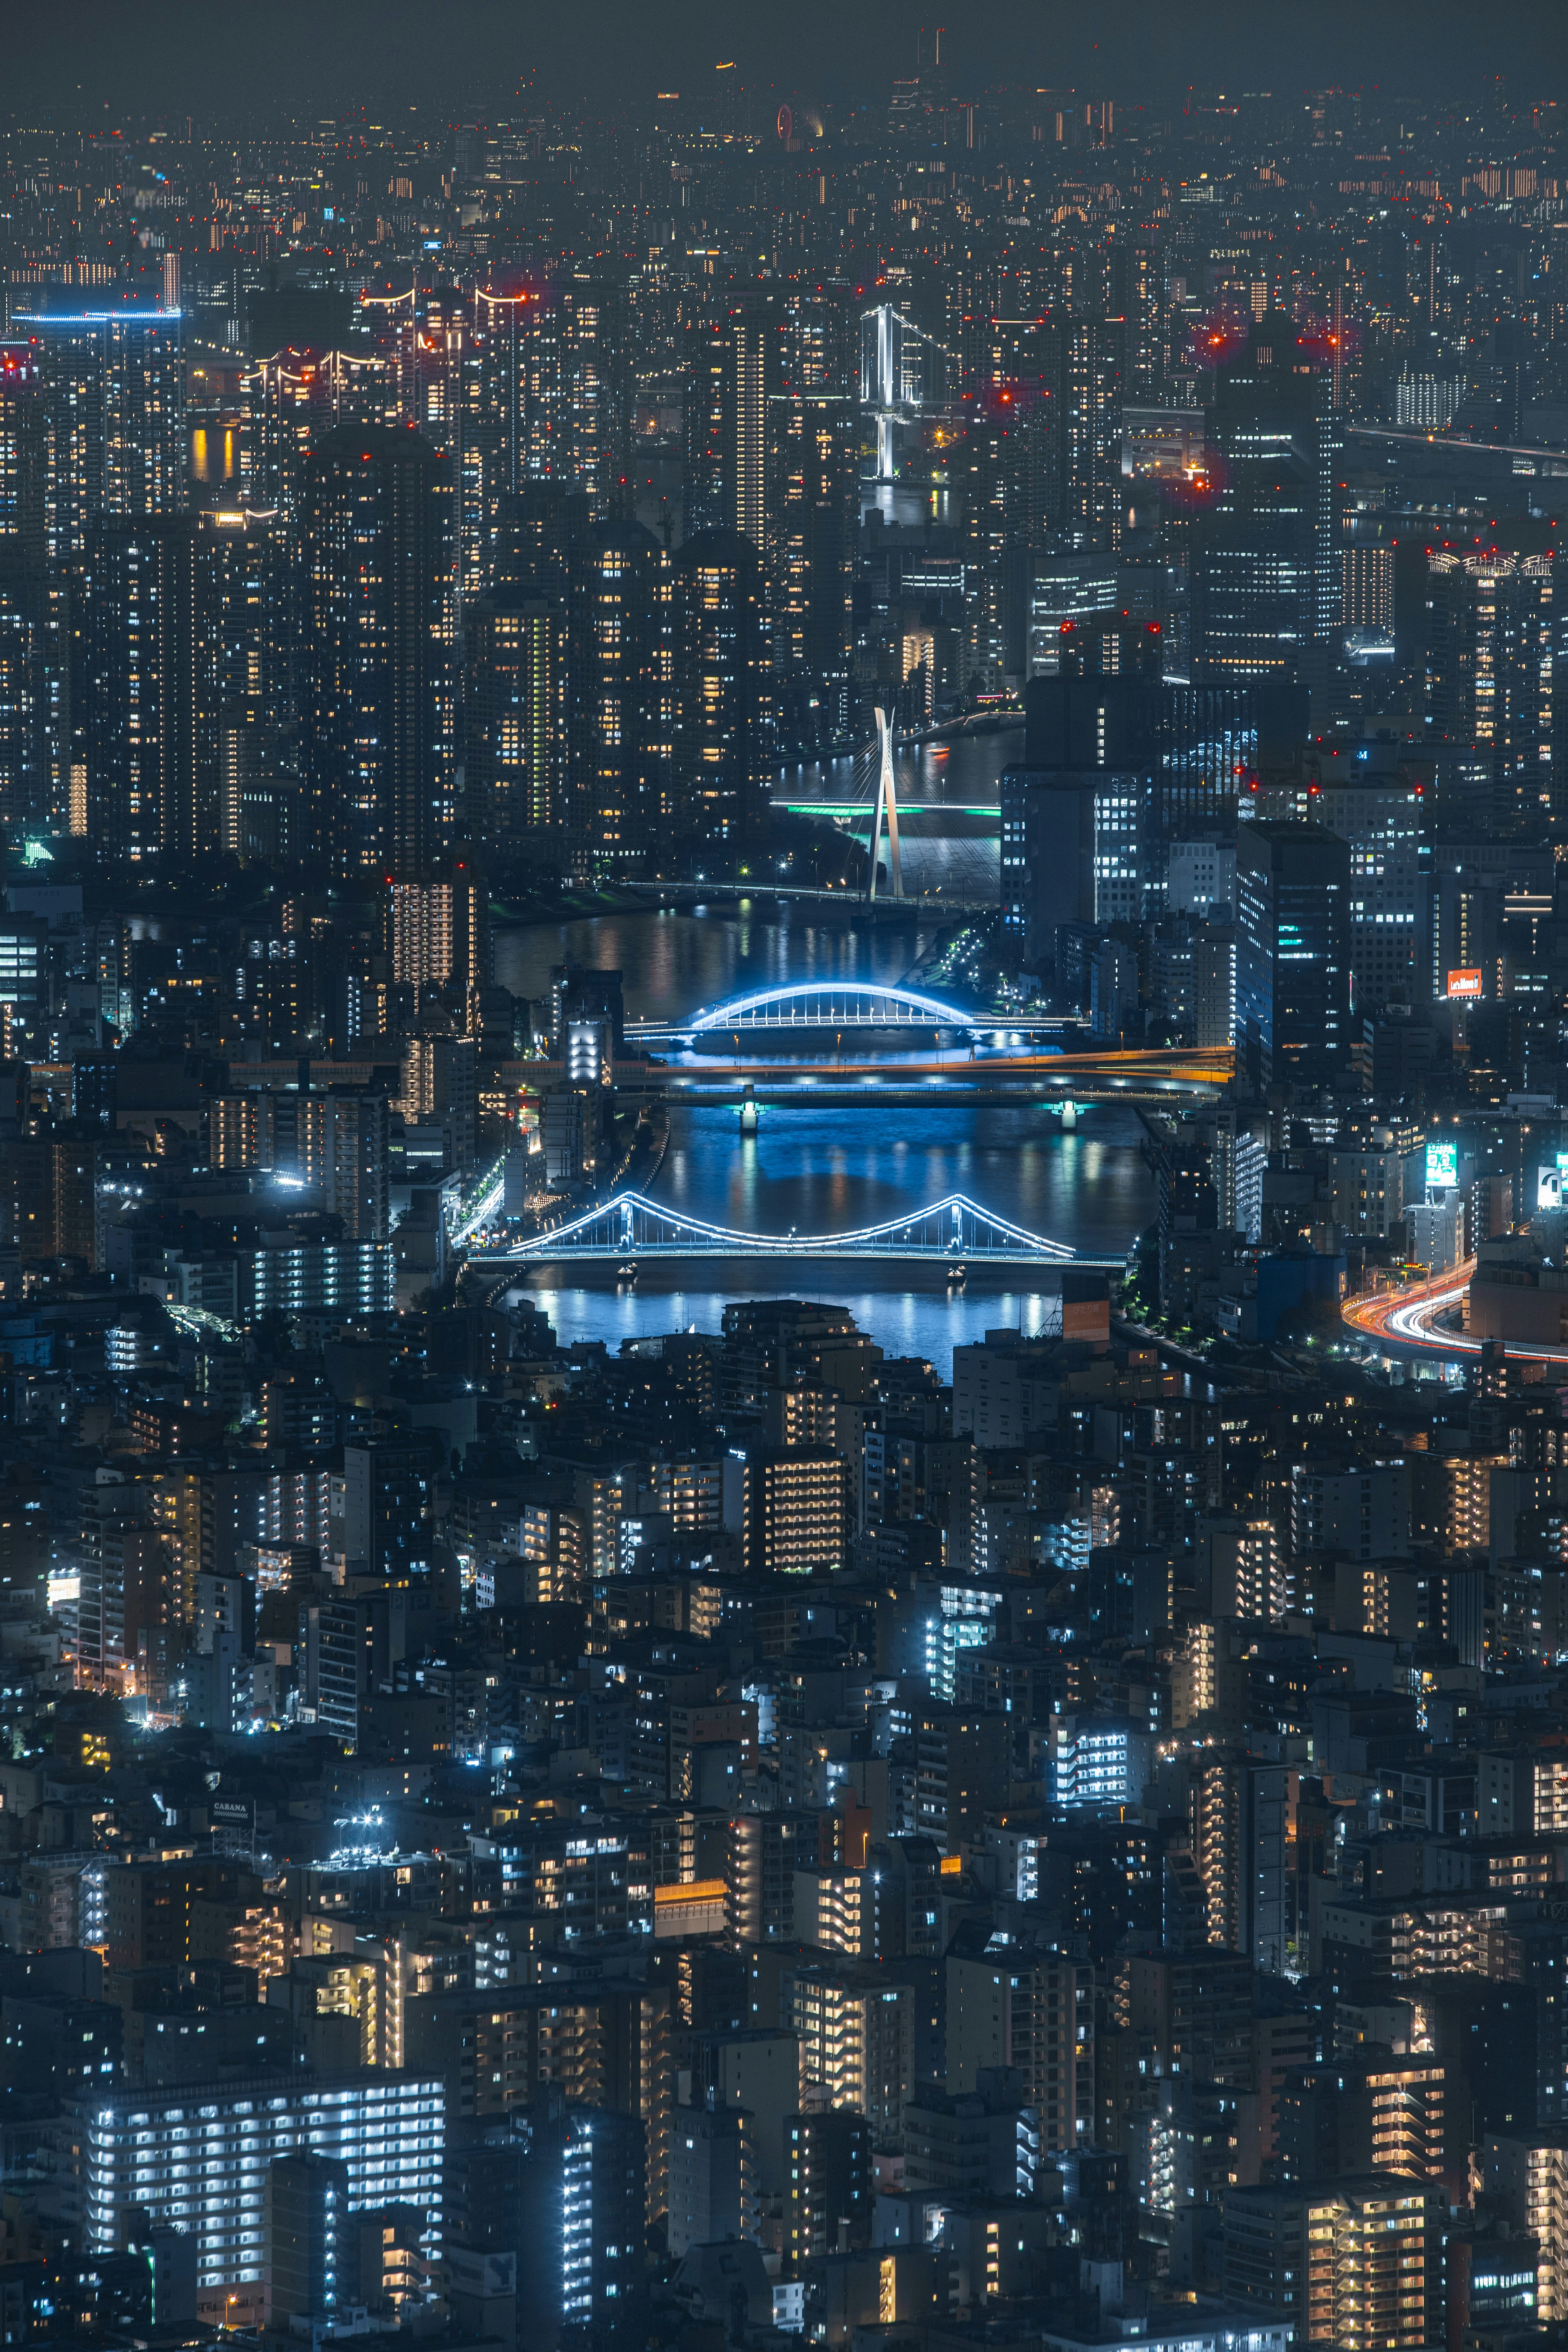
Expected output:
(1442, 1167)
(1465, 983)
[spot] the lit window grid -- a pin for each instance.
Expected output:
(203, 2166)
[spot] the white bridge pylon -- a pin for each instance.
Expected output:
(887, 806)
(630, 1225)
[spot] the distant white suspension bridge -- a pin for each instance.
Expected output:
(630, 1226)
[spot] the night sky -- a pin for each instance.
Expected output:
(173, 55)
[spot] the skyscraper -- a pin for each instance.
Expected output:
(1492, 631)
(619, 720)
(245, 591)
(1293, 952)
(114, 393)
(1255, 585)
(720, 660)
(515, 718)
(377, 731)
(815, 454)
(24, 800)
(137, 786)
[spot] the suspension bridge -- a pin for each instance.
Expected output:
(951, 1232)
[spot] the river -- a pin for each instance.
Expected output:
(817, 1170)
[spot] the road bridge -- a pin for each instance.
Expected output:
(838, 1006)
(628, 1228)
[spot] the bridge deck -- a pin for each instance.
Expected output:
(541, 1252)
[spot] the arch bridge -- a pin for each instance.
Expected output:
(841, 1004)
(631, 1226)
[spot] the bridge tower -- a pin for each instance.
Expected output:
(887, 804)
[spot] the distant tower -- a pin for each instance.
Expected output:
(888, 804)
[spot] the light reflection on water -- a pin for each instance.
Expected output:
(812, 1169)
(903, 1321)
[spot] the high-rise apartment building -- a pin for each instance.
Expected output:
(815, 451)
(114, 397)
(1357, 2263)
(516, 712)
(619, 726)
(1493, 633)
(197, 2158)
(719, 654)
(23, 761)
(377, 734)
(794, 1512)
(140, 788)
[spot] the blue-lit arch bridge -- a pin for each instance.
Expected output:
(836, 1004)
(628, 1228)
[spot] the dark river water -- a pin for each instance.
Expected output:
(817, 1170)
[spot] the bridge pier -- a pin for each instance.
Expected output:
(1070, 1118)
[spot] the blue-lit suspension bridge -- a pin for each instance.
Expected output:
(628, 1228)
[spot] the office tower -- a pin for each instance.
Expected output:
(1255, 588)
(306, 2239)
(515, 720)
(1384, 817)
(721, 734)
(24, 765)
(114, 397)
(794, 1512)
(1292, 953)
(139, 789)
(377, 716)
(830, 2192)
(1493, 625)
(197, 2156)
(1357, 2263)
(816, 518)
(620, 698)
